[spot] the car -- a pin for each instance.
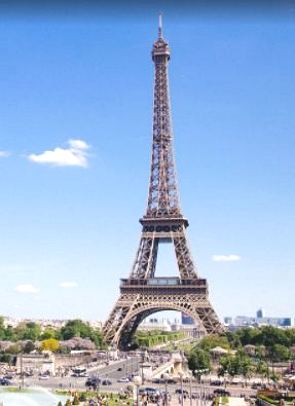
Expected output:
(148, 391)
(84, 375)
(256, 386)
(93, 381)
(123, 380)
(221, 392)
(158, 380)
(4, 382)
(179, 391)
(216, 383)
(44, 377)
(7, 376)
(106, 382)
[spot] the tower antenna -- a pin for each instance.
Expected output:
(160, 26)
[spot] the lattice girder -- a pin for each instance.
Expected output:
(162, 222)
(140, 305)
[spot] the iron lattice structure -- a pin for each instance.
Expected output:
(142, 293)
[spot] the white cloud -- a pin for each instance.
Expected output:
(74, 155)
(78, 144)
(26, 288)
(226, 258)
(68, 284)
(4, 154)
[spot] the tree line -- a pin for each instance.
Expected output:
(249, 351)
(27, 336)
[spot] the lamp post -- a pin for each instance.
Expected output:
(181, 386)
(137, 382)
(190, 391)
(22, 375)
(165, 377)
(142, 364)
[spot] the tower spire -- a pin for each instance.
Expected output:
(160, 30)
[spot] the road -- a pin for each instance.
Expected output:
(123, 368)
(113, 372)
(79, 383)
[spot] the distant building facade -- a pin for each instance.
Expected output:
(259, 320)
(186, 320)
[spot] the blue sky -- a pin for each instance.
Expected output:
(69, 232)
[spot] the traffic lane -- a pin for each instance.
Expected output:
(79, 383)
(119, 369)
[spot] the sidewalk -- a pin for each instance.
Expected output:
(236, 402)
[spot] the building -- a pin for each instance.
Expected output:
(186, 320)
(154, 324)
(259, 320)
(228, 321)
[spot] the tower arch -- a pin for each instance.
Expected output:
(143, 293)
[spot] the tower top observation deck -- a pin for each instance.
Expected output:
(161, 51)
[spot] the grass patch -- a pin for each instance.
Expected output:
(106, 398)
(17, 389)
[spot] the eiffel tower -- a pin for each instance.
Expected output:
(143, 293)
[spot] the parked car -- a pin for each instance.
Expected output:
(123, 380)
(158, 380)
(221, 392)
(93, 382)
(44, 377)
(106, 382)
(7, 376)
(217, 382)
(4, 382)
(148, 391)
(179, 391)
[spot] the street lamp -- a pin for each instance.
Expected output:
(190, 390)
(142, 364)
(165, 377)
(137, 382)
(181, 386)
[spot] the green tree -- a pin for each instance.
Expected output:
(246, 367)
(247, 335)
(77, 328)
(13, 349)
(290, 333)
(2, 328)
(262, 369)
(279, 352)
(49, 332)
(9, 334)
(214, 340)
(238, 364)
(198, 359)
(28, 331)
